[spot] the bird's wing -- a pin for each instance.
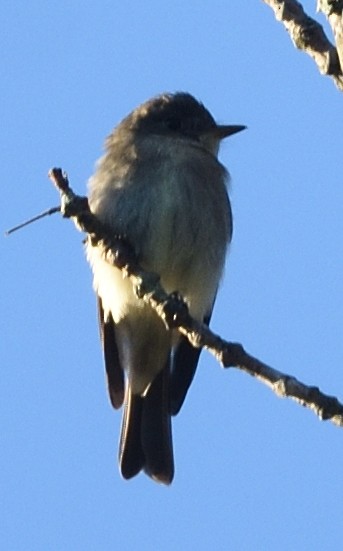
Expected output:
(114, 372)
(184, 366)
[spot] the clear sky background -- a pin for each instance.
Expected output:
(253, 472)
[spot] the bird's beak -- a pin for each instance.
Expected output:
(222, 131)
(212, 138)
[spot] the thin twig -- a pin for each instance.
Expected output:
(34, 219)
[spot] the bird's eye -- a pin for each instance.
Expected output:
(173, 123)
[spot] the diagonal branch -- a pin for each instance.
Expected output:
(174, 311)
(309, 36)
(333, 10)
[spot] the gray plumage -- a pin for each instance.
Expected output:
(161, 185)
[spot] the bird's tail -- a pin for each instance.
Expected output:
(146, 437)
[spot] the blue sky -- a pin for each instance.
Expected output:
(252, 471)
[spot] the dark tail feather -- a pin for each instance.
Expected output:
(131, 457)
(146, 438)
(156, 431)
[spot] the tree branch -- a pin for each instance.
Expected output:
(333, 10)
(309, 36)
(174, 311)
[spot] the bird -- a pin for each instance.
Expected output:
(159, 184)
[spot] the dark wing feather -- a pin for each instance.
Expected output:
(185, 363)
(114, 372)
